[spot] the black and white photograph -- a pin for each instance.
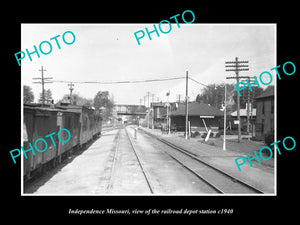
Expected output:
(143, 109)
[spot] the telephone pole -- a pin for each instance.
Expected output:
(236, 66)
(152, 121)
(251, 80)
(148, 120)
(186, 105)
(71, 85)
(44, 80)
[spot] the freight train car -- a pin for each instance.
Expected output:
(90, 122)
(39, 122)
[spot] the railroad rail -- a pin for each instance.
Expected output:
(112, 170)
(145, 173)
(114, 161)
(108, 129)
(218, 179)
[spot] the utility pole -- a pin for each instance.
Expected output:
(251, 80)
(148, 94)
(44, 80)
(71, 85)
(186, 105)
(224, 138)
(152, 121)
(168, 112)
(236, 68)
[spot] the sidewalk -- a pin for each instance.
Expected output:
(260, 175)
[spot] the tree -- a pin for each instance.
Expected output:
(28, 95)
(214, 94)
(104, 102)
(47, 95)
(256, 91)
(77, 100)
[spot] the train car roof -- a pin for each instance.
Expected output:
(69, 107)
(34, 106)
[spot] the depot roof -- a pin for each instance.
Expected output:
(197, 109)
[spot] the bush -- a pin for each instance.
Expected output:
(205, 134)
(219, 134)
(195, 134)
(231, 132)
(269, 138)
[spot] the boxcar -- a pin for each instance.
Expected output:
(90, 122)
(96, 125)
(70, 121)
(82, 122)
(40, 122)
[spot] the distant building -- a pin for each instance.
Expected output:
(158, 113)
(129, 113)
(243, 116)
(130, 109)
(201, 116)
(264, 113)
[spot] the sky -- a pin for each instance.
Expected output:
(110, 52)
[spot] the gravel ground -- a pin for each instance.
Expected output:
(260, 175)
(242, 148)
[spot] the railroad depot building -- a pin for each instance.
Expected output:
(201, 116)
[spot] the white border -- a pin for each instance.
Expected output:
(168, 195)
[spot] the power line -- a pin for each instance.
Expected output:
(119, 82)
(198, 82)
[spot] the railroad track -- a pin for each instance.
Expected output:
(108, 129)
(115, 159)
(145, 173)
(219, 180)
(112, 171)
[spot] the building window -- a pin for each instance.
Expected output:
(263, 108)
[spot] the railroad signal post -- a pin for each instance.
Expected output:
(237, 66)
(186, 105)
